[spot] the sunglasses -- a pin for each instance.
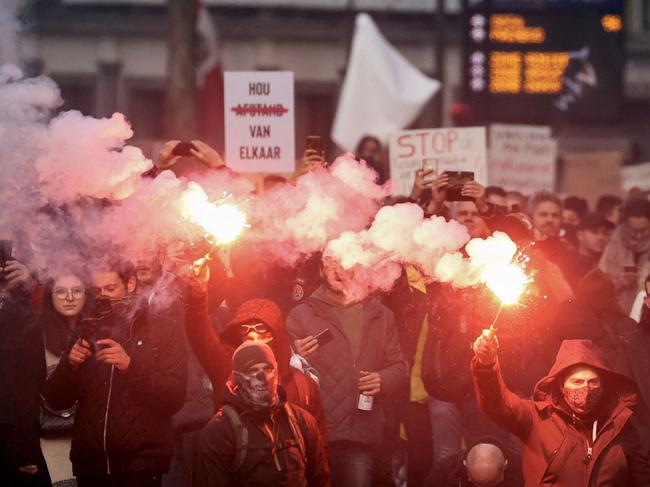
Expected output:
(258, 328)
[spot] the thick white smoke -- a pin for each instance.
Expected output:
(112, 169)
(400, 235)
(296, 220)
(76, 187)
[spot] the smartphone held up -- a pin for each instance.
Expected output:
(6, 250)
(183, 149)
(457, 180)
(315, 143)
(430, 170)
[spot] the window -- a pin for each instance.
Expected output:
(78, 93)
(146, 112)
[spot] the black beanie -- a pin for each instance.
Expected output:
(250, 353)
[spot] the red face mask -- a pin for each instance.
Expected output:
(582, 400)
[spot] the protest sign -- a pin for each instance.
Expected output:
(591, 174)
(522, 158)
(259, 121)
(637, 176)
(449, 149)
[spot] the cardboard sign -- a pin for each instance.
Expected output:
(449, 149)
(259, 121)
(637, 176)
(522, 158)
(591, 174)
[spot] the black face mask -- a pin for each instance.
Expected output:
(582, 400)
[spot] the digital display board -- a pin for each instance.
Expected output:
(544, 61)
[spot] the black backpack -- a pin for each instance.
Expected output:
(241, 433)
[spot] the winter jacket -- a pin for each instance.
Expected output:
(22, 373)
(339, 372)
(275, 460)
(639, 360)
(215, 352)
(123, 421)
(557, 446)
(614, 258)
(409, 306)
(456, 317)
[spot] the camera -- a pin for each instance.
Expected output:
(457, 180)
(99, 325)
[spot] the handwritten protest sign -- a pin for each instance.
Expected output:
(522, 158)
(259, 121)
(451, 149)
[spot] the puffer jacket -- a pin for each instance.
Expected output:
(123, 421)
(215, 352)
(339, 372)
(558, 449)
(274, 455)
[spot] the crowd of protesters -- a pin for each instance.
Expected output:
(149, 373)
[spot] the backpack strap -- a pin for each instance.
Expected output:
(295, 429)
(241, 436)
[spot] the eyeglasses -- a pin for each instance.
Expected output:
(62, 292)
(259, 328)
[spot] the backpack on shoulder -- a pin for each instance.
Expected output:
(242, 438)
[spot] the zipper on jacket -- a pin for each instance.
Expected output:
(108, 402)
(590, 448)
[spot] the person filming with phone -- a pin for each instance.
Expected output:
(172, 151)
(626, 256)
(126, 368)
(459, 190)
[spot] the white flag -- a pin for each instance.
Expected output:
(382, 92)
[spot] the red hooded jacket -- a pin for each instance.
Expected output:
(556, 442)
(215, 352)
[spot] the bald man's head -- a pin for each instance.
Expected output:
(485, 465)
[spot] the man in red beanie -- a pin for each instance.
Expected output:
(257, 437)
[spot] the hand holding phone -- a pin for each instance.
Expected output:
(183, 149)
(457, 180)
(315, 143)
(6, 249)
(429, 170)
(324, 337)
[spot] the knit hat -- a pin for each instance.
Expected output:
(250, 353)
(597, 289)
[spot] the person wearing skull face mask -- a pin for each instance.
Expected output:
(256, 319)
(579, 429)
(257, 438)
(127, 373)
